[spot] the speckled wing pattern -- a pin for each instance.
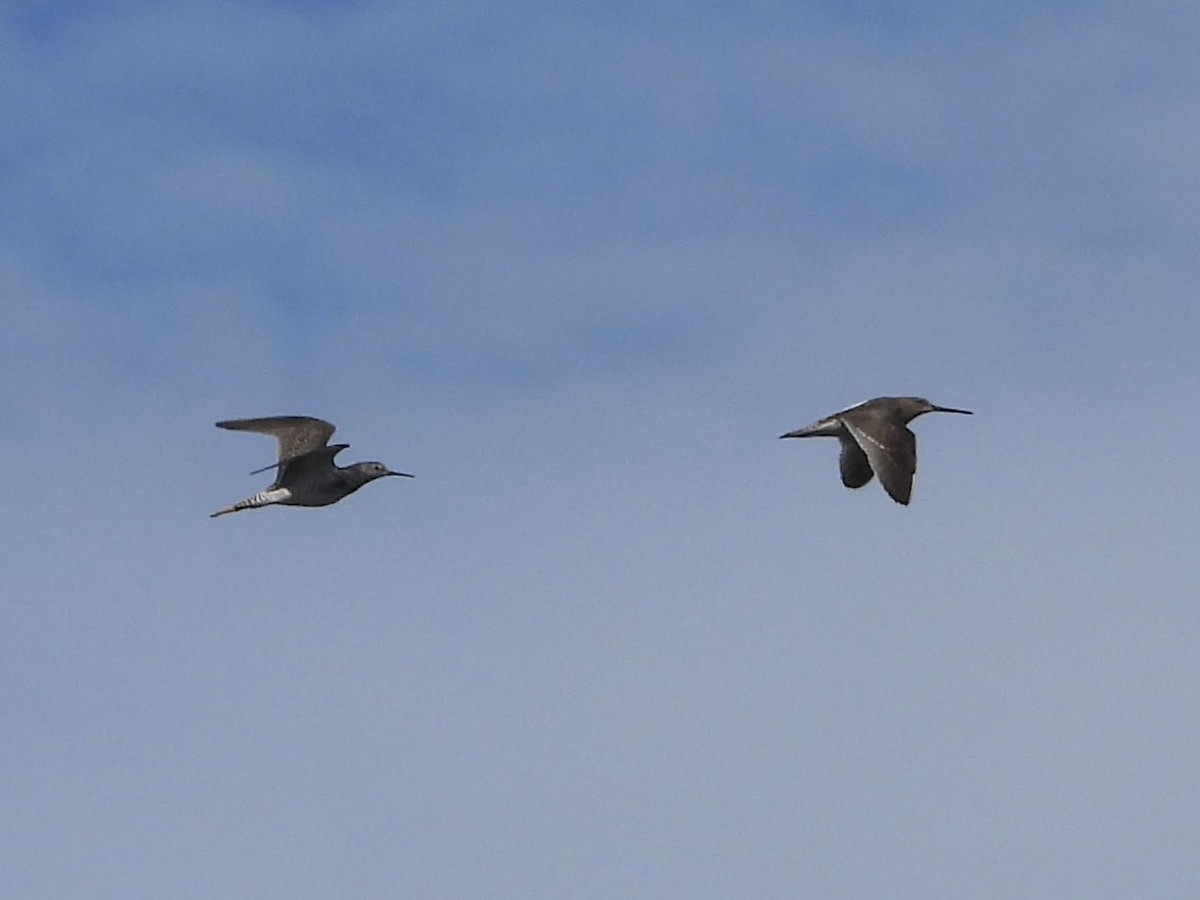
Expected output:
(297, 435)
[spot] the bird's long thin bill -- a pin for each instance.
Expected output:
(965, 412)
(402, 474)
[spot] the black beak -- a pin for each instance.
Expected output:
(965, 412)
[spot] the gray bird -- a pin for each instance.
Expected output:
(875, 440)
(307, 476)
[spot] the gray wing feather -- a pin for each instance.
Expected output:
(856, 468)
(893, 456)
(297, 435)
(308, 467)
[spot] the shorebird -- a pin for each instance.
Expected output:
(307, 476)
(876, 441)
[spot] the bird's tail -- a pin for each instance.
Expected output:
(830, 427)
(262, 498)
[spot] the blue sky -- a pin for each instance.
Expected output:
(577, 269)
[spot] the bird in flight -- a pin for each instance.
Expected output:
(307, 474)
(876, 440)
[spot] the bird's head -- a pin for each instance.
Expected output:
(918, 406)
(369, 471)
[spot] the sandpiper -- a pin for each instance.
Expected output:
(875, 440)
(308, 476)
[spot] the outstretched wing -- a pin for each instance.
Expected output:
(893, 456)
(297, 435)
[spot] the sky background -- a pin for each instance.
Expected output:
(577, 266)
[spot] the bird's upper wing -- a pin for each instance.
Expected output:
(297, 435)
(892, 453)
(856, 468)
